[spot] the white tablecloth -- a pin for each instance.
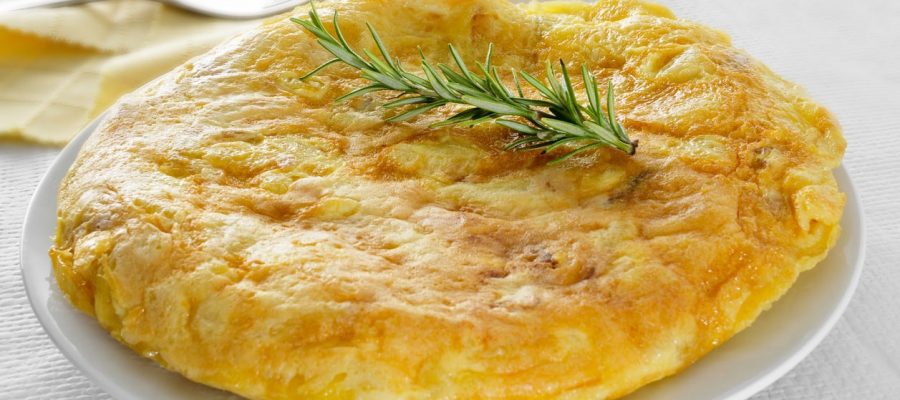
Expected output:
(846, 53)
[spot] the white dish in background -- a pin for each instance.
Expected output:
(744, 365)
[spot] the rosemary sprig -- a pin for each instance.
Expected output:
(548, 123)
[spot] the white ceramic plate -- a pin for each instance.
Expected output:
(749, 362)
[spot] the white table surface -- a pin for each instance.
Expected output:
(847, 55)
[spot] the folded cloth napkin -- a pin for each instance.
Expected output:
(61, 67)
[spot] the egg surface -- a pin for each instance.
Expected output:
(236, 225)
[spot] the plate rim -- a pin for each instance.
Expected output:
(764, 379)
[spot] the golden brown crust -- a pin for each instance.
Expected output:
(238, 227)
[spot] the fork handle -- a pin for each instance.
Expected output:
(13, 5)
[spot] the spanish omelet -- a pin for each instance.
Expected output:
(233, 223)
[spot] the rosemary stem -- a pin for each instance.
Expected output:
(555, 119)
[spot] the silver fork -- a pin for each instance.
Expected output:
(234, 9)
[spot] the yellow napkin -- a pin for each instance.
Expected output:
(60, 67)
